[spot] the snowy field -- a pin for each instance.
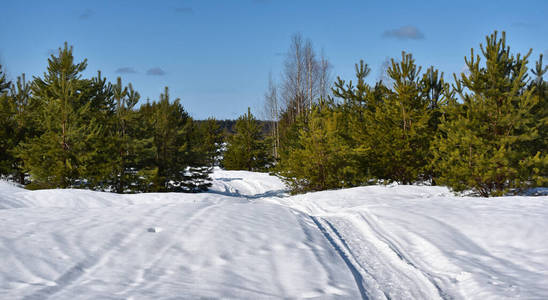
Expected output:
(247, 239)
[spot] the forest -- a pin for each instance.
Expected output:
(483, 131)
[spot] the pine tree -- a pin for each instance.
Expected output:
(145, 158)
(391, 126)
(54, 157)
(200, 158)
(124, 141)
(5, 84)
(177, 163)
(438, 94)
(480, 146)
(211, 140)
(540, 110)
(400, 128)
(7, 124)
(247, 149)
(537, 165)
(96, 161)
(6, 135)
(170, 122)
(23, 128)
(322, 158)
(360, 102)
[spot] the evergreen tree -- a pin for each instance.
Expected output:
(23, 125)
(247, 149)
(359, 105)
(124, 142)
(537, 166)
(211, 140)
(54, 157)
(145, 148)
(438, 94)
(5, 84)
(7, 125)
(6, 136)
(170, 123)
(391, 128)
(322, 157)
(399, 126)
(177, 165)
(200, 158)
(481, 142)
(288, 127)
(97, 162)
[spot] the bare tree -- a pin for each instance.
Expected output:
(324, 77)
(305, 78)
(272, 112)
(311, 72)
(293, 93)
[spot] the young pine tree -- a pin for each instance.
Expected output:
(537, 165)
(200, 155)
(7, 124)
(211, 140)
(97, 162)
(23, 125)
(247, 149)
(398, 128)
(5, 84)
(124, 142)
(178, 165)
(480, 146)
(322, 157)
(54, 157)
(360, 102)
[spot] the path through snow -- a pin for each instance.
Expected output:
(417, 242)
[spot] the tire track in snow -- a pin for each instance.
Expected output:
(446, 273)
(382, 236)
(358, 278)
(379, 271)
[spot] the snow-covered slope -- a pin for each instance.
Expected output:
(74, 244)
(247, 239)
(417, 242)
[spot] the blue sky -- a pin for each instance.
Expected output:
(216, 55)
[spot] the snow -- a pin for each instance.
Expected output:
(247, 238)
(246, 184)
(419, 242)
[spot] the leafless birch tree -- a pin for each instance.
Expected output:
(304, 80)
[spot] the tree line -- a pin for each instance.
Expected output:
(486, 132)
(61, 130)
